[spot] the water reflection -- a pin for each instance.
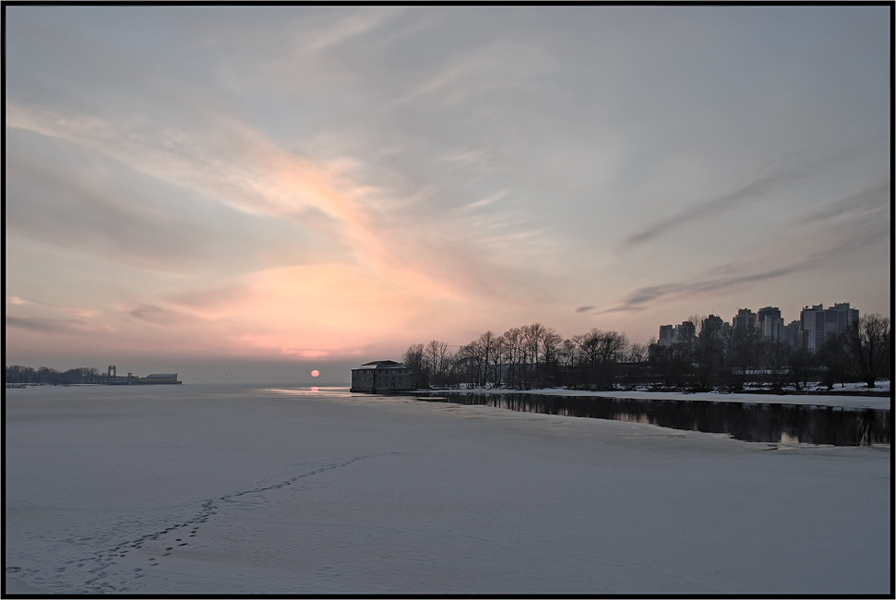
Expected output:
(751, 422)
(328, 391)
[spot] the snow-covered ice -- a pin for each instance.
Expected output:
(238, 489)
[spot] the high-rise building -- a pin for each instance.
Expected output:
(744, 319)
(667, 335)
(685, 333)
(812, 328)
(715, 325)
(817, 323)
(838, 317)
(791, 334)
(770, 323)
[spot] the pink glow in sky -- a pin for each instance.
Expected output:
(333, 184)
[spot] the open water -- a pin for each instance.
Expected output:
(747, 421)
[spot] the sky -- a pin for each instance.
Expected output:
(250, 193)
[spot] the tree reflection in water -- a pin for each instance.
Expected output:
(751, 422)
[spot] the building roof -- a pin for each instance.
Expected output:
(383, 364)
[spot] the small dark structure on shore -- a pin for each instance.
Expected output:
(382, 376)
(112, 378)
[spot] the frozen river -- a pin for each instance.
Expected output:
(245, 490)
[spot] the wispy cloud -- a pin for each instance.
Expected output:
(870, 225)
(212, 298)
(346, 28)
(738, 198)
(48, 326)
(869, 199)
(221, 158)
(779, 179)
(158, 316)
(505, 66)
(485, 201)
(79, 311)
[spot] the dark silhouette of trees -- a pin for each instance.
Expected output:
(833, 358)
(413, 359)
(550, 344)
(743, 354)
(46, 375)
(513, 355)
(709, 353)
(774, 358)
(436, 356)
(800, 366)
(706, 354)
(866, 347)
(636, 358)
(486, 348)
(670, 366)
(597, 354)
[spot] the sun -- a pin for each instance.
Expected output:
(315, 373)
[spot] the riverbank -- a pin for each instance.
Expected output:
(843, 398)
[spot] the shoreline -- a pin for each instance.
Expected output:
(836, 400)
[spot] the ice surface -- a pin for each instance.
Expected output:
(231, 489)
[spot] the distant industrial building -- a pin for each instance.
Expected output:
(382, 376)
(160, 378)
(112, 378)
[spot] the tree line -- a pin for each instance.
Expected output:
(535, 356)
(46, 375)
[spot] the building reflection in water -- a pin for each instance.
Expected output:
(751, 422)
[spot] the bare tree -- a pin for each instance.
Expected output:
(832, 356)
(587, 347)
(774, 356)
(413, 359)
(567, 355)
(513, 350)
(637, 353)
(742, 354)
(486, 347)
(467, 364)
(533, 335)
(550, 345)
(635, 356)
(709, 353)
(800, 365)
(498, 360)
(436, 354)
(868, 347)
(597, 354)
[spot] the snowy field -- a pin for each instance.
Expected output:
(241, 490)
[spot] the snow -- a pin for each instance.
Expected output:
(242, 490)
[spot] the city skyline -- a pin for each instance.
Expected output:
(240, 191)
